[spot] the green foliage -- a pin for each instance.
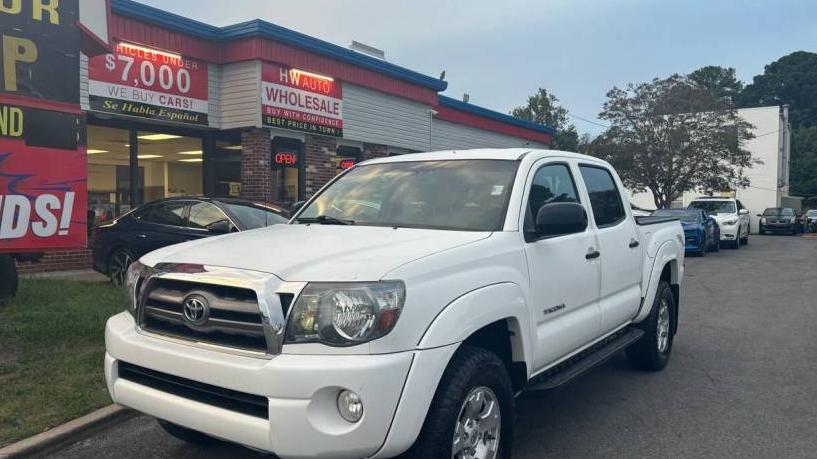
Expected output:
(543, 108)
(52, 346)
(671, 136)
(803, 168)
(720, 81)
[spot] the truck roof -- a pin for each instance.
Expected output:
(507, 154)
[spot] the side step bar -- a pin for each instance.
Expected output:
(584, 361)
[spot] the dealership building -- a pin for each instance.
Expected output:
(253, 110)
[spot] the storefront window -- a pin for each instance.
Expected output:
(108, 173)
(287, 160)
(346, 158)
(227, 169)
(172, 165)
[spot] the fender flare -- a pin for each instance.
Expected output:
(667, 253)
(478, 308)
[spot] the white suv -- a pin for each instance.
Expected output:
(732, 218)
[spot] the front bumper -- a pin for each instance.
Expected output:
(729, 232)
(780, 227)
(302, 390)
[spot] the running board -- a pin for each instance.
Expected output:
(584, 361)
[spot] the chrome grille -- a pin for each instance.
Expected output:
(234, 318)
(236, 310)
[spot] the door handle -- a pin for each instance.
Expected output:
(633, 243)
(141, 235)
(592, 254)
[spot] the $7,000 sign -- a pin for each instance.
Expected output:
(146, 83)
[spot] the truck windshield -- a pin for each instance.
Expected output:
(466, 195)
(719, 207)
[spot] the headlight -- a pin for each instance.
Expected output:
(345, 313)
(763, 220)
(136, 274)
(730, 222)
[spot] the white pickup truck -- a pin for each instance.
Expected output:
(401, 310)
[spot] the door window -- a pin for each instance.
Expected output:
(604, 196)
(550, 184)
(166, 213)
(204, 214)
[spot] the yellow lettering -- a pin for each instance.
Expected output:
(49, 6)
(16, 50)
(11, 6)
(11, 121)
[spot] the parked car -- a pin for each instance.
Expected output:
(732, 218)
(401, 309)
(811, 221)
(779, 220)
(700, 230)
(171, 221)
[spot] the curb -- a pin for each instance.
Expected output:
(68, 433)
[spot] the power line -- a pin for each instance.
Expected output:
(588, 121)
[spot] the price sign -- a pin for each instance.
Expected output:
(149, 83)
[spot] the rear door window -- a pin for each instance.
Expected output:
(605, 198)
(165, 213)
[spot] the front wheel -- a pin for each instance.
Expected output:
(471, 416)
(118, 264)
(652, 351)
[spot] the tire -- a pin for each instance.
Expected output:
(648, 354)
(188, 435)
(8, 277)
(745, 240)
(471, 369)
(717, 246)
(118, 264)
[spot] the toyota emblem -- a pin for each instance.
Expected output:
(196, 310)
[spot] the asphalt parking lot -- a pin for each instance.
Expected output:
(742, 381)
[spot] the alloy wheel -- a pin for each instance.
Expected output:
(662, 325)
(476, 435)
(120, 261)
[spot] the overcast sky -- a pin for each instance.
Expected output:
(501, 51)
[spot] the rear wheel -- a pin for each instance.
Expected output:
(118, 264)
(187, 435)
(652, 351)
(471, 416)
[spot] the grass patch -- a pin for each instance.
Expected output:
(52, 346)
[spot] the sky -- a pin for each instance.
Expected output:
(500, 52)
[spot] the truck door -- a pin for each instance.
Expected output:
(618, 239)
(564, 270)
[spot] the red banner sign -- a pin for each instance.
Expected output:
(301, 100)
(42, 181)
(149, 83)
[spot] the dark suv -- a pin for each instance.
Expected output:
(171, 221)
(779, 220)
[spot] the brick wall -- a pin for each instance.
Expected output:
(256, 173)
(319, 168)
(58, 261)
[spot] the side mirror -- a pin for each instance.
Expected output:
(220, 227)
(759, 215)
(296, 207)
(560, 218)
(743, 212)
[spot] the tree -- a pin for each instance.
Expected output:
(803, 166)
(543, 108)
(671, 136)
(792, 80)
(721, 81)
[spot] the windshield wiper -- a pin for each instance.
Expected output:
(325, 220)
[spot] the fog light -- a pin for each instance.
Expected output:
(350, 406)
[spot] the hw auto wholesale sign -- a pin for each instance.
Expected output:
(149, 83)
(300, 100)
(42, 155)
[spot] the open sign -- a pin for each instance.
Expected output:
(347, 164)
(286, 159)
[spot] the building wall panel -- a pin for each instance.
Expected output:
(446, 135)
(375, 117)
(240, 95)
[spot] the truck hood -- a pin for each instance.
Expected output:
(316, 252)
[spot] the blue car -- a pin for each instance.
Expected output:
(700, 230)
